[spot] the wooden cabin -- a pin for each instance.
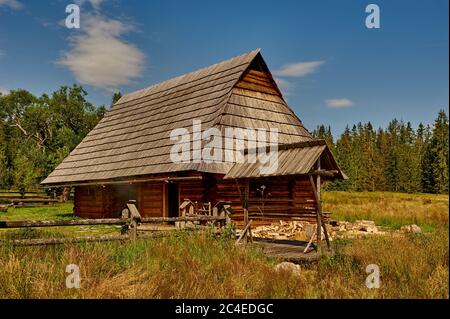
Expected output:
(127, 155)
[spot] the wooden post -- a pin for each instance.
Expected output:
(133, 230)
(135, 218)
(246, 221)
(320, 220)
(319, 207)
(244, 232)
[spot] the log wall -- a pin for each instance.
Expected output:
(285, 198)
(88, 202)
(151, 199)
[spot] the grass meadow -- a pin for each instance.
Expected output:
(200, 265)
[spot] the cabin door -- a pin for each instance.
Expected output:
(173, 204)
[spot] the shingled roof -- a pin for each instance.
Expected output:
(133, 138)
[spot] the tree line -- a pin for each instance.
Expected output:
(37, 133)
(397, 158)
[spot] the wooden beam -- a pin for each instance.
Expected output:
(132, 181)
(324, 173)
(145, 220)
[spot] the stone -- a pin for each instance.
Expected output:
(366, 226)
(413, 228)
(288, 266)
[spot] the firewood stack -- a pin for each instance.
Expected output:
(294, 230)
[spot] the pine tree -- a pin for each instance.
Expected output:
(426, 163)
(439, 148)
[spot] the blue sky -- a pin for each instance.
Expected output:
(332, 69)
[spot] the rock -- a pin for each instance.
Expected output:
(335, 223)
(366, 226)
(411, 229)
(288, 266)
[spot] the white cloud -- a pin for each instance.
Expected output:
(94, 3)
(339, 103)
(12, 4)
(298, 69)
(283, 85)
(100, 57)
(4, 91)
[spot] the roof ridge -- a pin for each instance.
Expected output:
(136, 94)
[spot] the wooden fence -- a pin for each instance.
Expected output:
(130, 220)
(15, 198)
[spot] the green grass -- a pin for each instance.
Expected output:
(56, 212)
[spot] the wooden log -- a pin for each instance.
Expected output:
(134, 181)
(243, 232)
(149, 220)
(324, 173)
(56, 223)
(270, 200)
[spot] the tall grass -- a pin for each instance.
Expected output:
(190, 265)
(187, 265)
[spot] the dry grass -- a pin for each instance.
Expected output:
(187, 265)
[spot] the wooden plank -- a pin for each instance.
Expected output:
(133, 210)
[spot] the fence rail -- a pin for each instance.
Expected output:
(130, 220)
(56, 223)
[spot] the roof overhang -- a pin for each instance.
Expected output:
(290, 160)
